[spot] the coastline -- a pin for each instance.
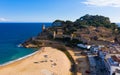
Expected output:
(21, 58)
(46, 61)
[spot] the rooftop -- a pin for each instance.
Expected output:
(91, 60)
(116, 58)
(59, 30)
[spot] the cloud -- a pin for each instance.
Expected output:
(110, 3)
(3, 19)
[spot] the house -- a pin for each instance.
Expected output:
(84, 46)
(94, 49)
(59, 31)
(81, 45)
(92, 64)
(88, 46)
(114, 64)
(101, 54)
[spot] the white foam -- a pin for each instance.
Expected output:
(18, 59)
(20, 45)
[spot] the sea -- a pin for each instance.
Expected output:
(13, 34)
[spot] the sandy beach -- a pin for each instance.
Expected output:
(47, 61)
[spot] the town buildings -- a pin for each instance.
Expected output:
(113, 62)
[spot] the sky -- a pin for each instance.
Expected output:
(50, 10)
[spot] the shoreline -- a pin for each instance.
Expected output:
(45, 61)
(21, 58)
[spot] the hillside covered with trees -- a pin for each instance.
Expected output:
(86, 21)
(90, 28)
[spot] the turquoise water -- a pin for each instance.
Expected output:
(12, 34)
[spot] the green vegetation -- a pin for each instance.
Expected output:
(90, 28)
(85, 21)
(87, 29)
(94, 21)
(68, 41)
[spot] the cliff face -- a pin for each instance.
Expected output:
(38, 41)
(33, 43)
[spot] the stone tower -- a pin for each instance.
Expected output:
(43, 27)
(54, 35)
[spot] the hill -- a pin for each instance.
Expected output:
(90, 29)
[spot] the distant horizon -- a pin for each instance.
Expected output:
(45, 22)
(26, 22)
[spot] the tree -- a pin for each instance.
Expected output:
(57, 23)
(95, 20)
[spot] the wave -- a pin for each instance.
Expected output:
(7, 63)
(19, 45)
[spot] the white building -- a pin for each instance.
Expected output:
(94, 49)
(88, 46)
(84, 46)
(113, 63)
(101, 54)
(92, 64)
